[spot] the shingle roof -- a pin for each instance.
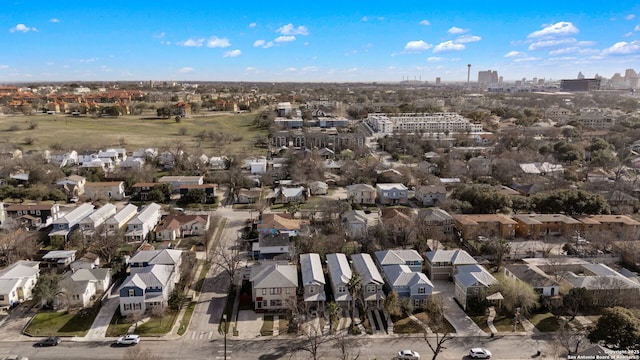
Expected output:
(274, 276)
(455, 257)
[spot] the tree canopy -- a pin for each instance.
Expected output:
(618, 328)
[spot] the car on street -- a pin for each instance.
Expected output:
(128, 340)
(408, 355)
(480, 353)
(50, 341)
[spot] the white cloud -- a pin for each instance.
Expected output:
(3, 67)
(185, 70)
(263, 43)
(435, 59)
(515, 54)
(448, 46)
(623, 48)
(524, 59)
(630, 17)
(22, 28)
(89, 60)
(467, 39)
(289, 29)
(568, 50)
(558, 29)
(456, 30)
(284, 39)
(216, 42)
(354, 69)
(417, 45)
(364, 19)
(54, 20)
(551, 43)
(159, 35)
(252, 25)
(310, 68)
(165, 42)
(628, 34)
(425, 22)
(233, 53)
(637, 28)
(250, 68)
(291, 69)
(192, 42)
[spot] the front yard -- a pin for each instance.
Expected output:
(62, 323)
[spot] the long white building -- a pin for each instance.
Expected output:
(426, 123)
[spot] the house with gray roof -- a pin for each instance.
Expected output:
(436, 220)
(90, 224)
(120, 219)
(145, 258)
(542, 283)
(285, 195)
(361, 194)
(357, 223)
(69, 222)
(392, 194)
(431, 195)
(313, 281)
(408, 283)
(58, 259)
(408, 257)
(607, 286)
(443, 264)
(17, 282)
(370, 279)
(273, 285)
(339, 276)
(145, 288)
(81, 287)
(142, 224)
(471, 281)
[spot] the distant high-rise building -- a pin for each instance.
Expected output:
(488, 77)
(580, 84)
(500, 80)
(438, 81)
(580, 75)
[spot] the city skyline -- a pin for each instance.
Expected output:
(320, 42)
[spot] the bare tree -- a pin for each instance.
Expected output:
(571, 339)
(312, 339)
(438, 324)
(227, 259)
(107, 245)
(347, 351)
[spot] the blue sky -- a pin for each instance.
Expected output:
(326, 41)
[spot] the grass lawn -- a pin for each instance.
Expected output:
(283, 325)
(158, 325)
(407, 326)
(118, 325)
(267, 326)
(425, 319)
(545, 322)
(481, 321)
(133, 132)
(203, 274)
(184, 324)
(61, 323)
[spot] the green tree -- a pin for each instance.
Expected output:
(517, 294)
(354, 286)
(576, 300)
(570, 202)
(334, 311)
(483, 199)
(194, 196)
(392, 304)
(618, 329)
(47, 289)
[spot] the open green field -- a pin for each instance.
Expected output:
(133, 132)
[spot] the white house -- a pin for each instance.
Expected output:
(178, 226)
(141, 225)
(313, 280)
(89, 224)
(408, 283)
(542, 283)
(177, 181)
(273, 286)
(339, 275)
(408, 257)
(120, 219)
(69, 222)
(358, 222)
(81, 286)
(392, 194)
(107, 190)
(361, 194)
(17, 282)
(145, 288)
(370, 279)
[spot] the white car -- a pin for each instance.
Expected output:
(128, 340)
(408, 354)
(480, 353)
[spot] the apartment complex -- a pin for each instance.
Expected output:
(383, 124)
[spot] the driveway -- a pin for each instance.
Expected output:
(249, 324)
(101, 322)
(453, 312)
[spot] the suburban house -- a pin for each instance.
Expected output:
(408, 283)
(339, 277)
(539, 226)
(145, 288)
(273, 286)
(80, 287)
(313, 281)
(318, 188)
(153, 275)
(392, 194)
(272, 245)
(178, 226)
(542, 283)
(91, 223)
(177, 181)
(73, 185)
(58, 259)
(606, 286)
(218, 162)
(107, 190)
(431, 195)
(361, 194)
(620, 226)
(88, 261)
(249, 196)
(489, 225)
(17, 282)
(69, 222)
(370, 279)
(120, 219)
(443, 264)
(398, 220)
(141, 190)
(358, 222)
(408, 257)
(471, 281)
(285, 195)
(278, 223)
(33, 215)
(142, 224)
(436, 221)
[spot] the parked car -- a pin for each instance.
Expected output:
(408, 354)
(15, 357)
(480, 353)
(50, 341)
(128, 340)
